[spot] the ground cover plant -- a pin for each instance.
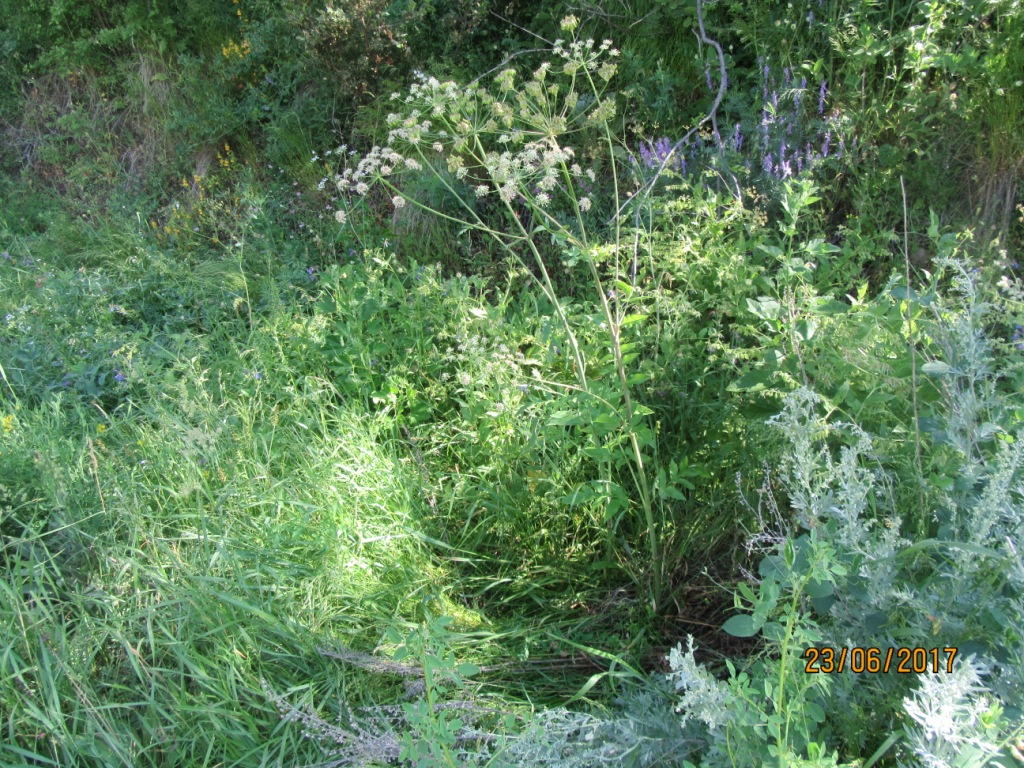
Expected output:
(514, 396)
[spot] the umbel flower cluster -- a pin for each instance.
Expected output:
(506, 141)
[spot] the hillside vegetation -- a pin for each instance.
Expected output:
(511, 384)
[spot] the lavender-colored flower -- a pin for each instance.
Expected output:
(768, 163)
(119, 377)
(775, 100)
(645, 155)
(707, 76)
(799, 164)
(1018, 337)
(810, 17)
(737, 138)
(828, 140)
(787, 76)
(821, 97)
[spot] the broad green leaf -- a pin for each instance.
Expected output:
(631, 319)
(741, 626)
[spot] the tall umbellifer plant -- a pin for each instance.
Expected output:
(504, 154)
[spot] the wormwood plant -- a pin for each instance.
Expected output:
(841, 575)
(507, 146)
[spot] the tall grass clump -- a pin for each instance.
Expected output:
(170, 551)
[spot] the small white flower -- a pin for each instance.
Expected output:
(339, 216)
(543, 199)
(398, 201)
(584, 204)
(362, 188)
(481, 190)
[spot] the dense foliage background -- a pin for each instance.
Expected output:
(432, 383)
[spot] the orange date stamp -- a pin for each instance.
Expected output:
(902, 661)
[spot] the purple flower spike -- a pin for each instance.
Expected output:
(821, 97)
(768, 163)
(707, 75)
(828, 140)
(788, 76)
(737, 138)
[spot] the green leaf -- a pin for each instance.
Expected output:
(631, 319)
(773, 567)
(823, 604)
(817, 588)
(669, 492)
(813, 712)
(467, 670)
(565, 419)
(832, 308)
(742, 626)
(626, 288)
(774, 632)
(764, 307)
